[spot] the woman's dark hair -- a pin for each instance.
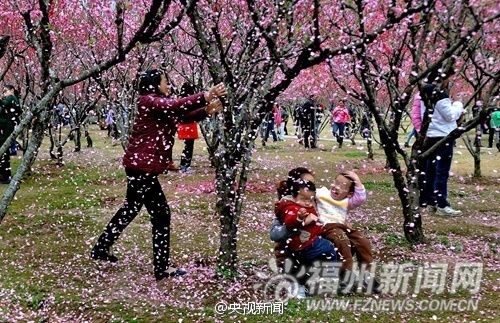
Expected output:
(353, 184)
(12, 88)
(440, 73)
(187, 89)
(300, 184)
(285, 187)
(434, 74)
(431, 93)
(149, 82)
(281, 189)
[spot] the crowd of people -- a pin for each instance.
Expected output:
(310, 118)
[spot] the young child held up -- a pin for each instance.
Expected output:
(332, 206)
(346, 193)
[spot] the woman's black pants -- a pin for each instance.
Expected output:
(142, 189)
(5, 172)
(187, 153)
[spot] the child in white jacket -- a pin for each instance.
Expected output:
(346, 193)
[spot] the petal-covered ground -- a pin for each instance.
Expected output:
(45, 239)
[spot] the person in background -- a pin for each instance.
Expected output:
(269, 128)
(307, 117)
(284, 116)
(366, 125)
(412, 133)
(278, 121)
(490, 123)
(89, 139)
(416, 119)
(66, 117)
(319, 113)
(297, 123)
(495, 128)
(438, 164)
(340, 117)
(187, 132)
(111, 125)
(10, 110)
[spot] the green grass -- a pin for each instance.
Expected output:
(379, 227)
(355, 154)
(443, 240)
(379, 185)
(394, 240)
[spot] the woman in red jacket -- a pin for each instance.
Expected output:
(147, 156)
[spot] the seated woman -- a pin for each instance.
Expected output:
(297, 212)
(300, 217)
(278, 232)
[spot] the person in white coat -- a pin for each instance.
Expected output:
(438, 164)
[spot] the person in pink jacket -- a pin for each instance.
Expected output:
(278, 121)
(416, 119)
(340, 117)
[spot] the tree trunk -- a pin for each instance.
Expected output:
(230, 194)
(369, 146)
(477, 152)
(28, 158)
(78, 140)
(52, 144)
(477, 161)
(227, 257)
(408, 193)
(413, 215)
(59, 155)
(25, 138)
(4, 41)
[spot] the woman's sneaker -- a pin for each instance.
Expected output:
(102, 254)
(186, 170)
(301, 292)
(170, 272)
(448, 211)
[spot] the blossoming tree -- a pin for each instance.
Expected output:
(52, 31)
